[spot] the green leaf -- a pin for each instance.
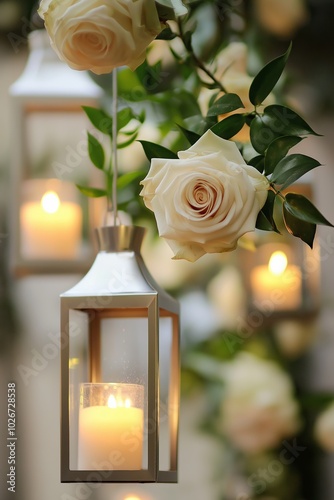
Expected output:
(266, 79)
(156, 151)
(262, 222)
(96, 152)
(124, 116)
(291, 168)
(187, 36)
(124, 180)
(229, 127)
(150, 77)
(92, 192)
(170, 10)
(166, 34)
(301, 208)
(277, 150)
(299, 228)
(130, 86)
(276, 121)
(190, 135)
(125, 144)
(268, 211)
(285, 121)
(260, 135)
(100, 119)
(257, 162)
(225, 104)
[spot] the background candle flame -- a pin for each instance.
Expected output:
(278, 263)
(50, 202)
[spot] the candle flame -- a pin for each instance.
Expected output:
(278, 263)
(50, 202)
(118, 403)
(112, 403)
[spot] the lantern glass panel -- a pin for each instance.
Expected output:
(165, 345)
(108, 352)
(169, 396)
(56, 144)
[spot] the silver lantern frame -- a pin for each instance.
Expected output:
(146, 299)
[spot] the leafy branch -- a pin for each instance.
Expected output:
(103, 122)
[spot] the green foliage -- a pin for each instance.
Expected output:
(92, 192)
(229, 127)
(100, 119)
(291, 168)
(265, 220)
(95, 151)
(266, 79)
(299, 228)
(171, 95)
(168, 9)
(257, 162)
(301, 208)
(277, 150)
(156, 151)
(225, 104)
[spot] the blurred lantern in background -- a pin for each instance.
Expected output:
(282, 276)
(49, 128)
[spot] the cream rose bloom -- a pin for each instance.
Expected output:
(99, 35)
(206, 200)
(324, 429)
(258, 410)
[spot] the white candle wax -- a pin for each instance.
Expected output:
(279, 292)
(104, 431)
(46, 235)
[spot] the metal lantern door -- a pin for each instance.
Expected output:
(120, 369)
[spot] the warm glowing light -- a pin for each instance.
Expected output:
(112, 403)
(73, 362)
(278, 263)
(132, 497)
(50, 202)
(118, 403)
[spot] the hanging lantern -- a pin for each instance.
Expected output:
(119, 369)
(282, 277)
(49, 127)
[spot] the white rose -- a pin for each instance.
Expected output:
(99, 35)
(258, 410)
(281, 17)
(324, 429)
(205, 200)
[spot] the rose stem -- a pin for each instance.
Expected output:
(114, 145)
(197, 61)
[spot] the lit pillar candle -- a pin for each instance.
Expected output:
(50, 228)
(277, 285)
(111, 435)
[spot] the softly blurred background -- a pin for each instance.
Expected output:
(255, 386)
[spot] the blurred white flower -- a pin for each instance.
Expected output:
(294, 337)
(198, 318)
(281, 17)
(324, 429)
(258, 410)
